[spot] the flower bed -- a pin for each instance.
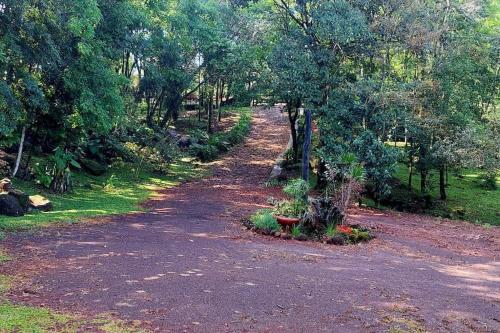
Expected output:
(306, 219)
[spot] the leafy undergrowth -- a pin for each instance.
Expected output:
(208, 147)
(468, 199)
(121, 190)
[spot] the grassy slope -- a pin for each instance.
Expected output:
(126, 190)
(467, 199)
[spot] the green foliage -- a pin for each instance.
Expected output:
(90, 197)
(60, 171)
(17, 318)
(359, 235)
(467, 198)
(297, 189)
(265, 221)
(378, 163)
(208, 147)
(27, 319)
(331, 230)
(296, 231)
(5, 281)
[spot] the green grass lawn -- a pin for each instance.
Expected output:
(467, 199)
(121, 190)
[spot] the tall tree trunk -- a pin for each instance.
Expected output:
(19, 152)
(410, 175)
(217, 88)
(210, 112)
(442, 182)
(292, 118)
(200, 97)
(423, 181)
(221, 95)
(307, 146)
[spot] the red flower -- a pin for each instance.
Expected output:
(344, 229)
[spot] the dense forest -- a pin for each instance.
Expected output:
(85, 82)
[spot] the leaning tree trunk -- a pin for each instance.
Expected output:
(19, 152)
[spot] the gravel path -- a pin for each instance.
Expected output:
(187, 265)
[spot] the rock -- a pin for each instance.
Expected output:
(9, 205)
(286, 236)
(277, 234)
(301, 238)
(93, 167)
(276, 173)
(172, 134)
(337, 240)
(22, 198)
(184, 141)
(40, 203)
(247, 223)
(5, 185)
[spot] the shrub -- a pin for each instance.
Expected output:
(296, 231)
(490, 181)
(297, 189)
(359, 236)
(265, 222)
(331, 230)
(207, 147)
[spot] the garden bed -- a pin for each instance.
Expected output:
(305, 218)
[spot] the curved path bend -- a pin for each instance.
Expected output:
(188, 266)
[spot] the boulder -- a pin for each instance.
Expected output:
(22, 198)
(9, 205)
(276, 173)
(337, 240)
(39, 202)
(172, 134)
(93, 167)
(184, 141)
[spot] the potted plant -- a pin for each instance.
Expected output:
(289, 212)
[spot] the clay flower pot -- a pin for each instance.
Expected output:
(287, 221)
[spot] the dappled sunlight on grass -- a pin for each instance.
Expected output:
(94, 195)
(467, 198)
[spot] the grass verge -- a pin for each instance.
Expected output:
(121, 190)
(208, 148)
(467, 198)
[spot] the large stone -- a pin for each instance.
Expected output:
(276, 173)
(9, 205)
(40, 203)
(185, 141)
(93, 167)
(172, 134)
(22, 198)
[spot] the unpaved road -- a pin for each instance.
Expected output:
(188, 266)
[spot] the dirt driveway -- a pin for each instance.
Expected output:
(188, 266)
